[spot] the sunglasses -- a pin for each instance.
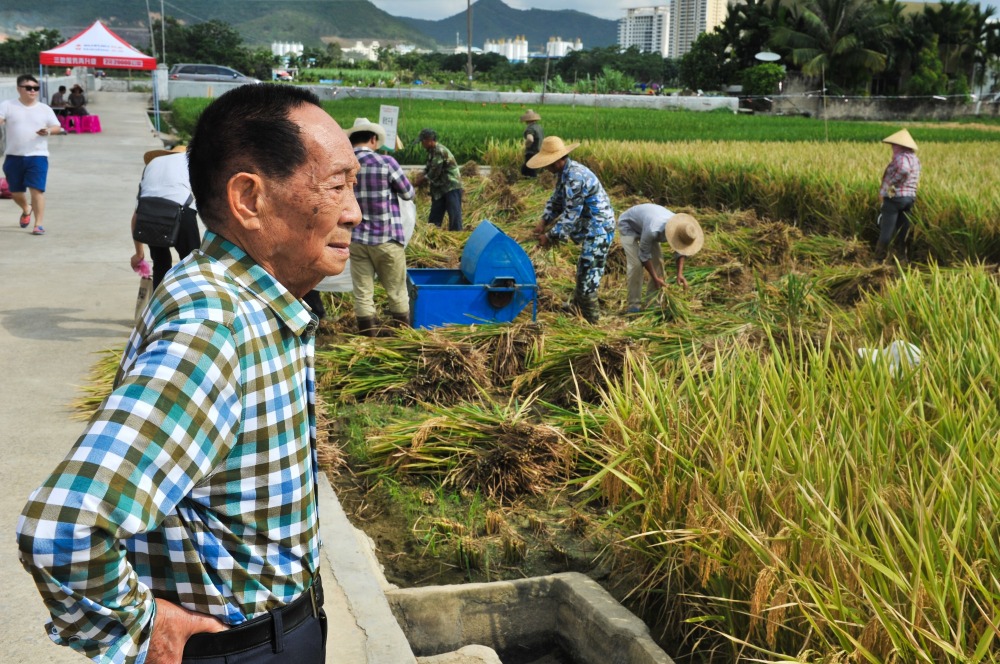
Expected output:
(31, 88)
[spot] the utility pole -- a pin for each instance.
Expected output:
(468, 44)
(152, 36)
(163, 37)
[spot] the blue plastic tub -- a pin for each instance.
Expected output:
(495, 283)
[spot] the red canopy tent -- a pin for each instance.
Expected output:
(99, 47)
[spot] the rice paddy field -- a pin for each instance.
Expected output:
(727, 463)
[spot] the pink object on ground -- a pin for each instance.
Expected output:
(90, 123)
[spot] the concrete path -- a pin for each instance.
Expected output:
(66, 296)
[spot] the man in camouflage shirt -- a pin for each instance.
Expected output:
(445, 182)
(183, 521)
(578, 210)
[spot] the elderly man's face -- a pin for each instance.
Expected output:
(308, 220)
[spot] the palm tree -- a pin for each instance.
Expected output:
(748, 28)
(841, 41)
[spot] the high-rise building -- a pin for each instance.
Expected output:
(670, 28)
(691, 18)
(646, 27)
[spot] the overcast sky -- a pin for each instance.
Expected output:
(613, 9)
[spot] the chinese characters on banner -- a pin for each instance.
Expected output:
(388, 117)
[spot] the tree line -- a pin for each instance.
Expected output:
(852, 47)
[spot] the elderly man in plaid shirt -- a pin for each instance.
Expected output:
(898, 193)
(377, 245)
(182, 525)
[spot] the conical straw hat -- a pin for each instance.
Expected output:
(901, 138)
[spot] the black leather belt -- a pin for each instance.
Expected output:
(258, 631)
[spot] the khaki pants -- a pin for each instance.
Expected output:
(388, 261)
(634, 271)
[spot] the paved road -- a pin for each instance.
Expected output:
(64, 297)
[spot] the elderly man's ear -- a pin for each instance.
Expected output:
(245, 194)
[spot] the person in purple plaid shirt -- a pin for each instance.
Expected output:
(377, 243)
(898, 193)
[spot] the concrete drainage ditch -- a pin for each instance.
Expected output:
(559, 618)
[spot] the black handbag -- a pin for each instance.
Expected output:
(158, 220)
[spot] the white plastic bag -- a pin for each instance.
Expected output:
(899, 355)
(408, 212)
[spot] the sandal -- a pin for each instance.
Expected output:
(38, 230)
(25, 218)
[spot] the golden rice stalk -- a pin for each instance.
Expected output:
(98, 385)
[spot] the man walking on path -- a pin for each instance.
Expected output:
(183, 522)
(445, 181)
(641, 230)
(377, 243)
(29, 124)
(579, 210)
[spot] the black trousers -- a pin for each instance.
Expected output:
(450, 203)
(305, 644)
(188, 239)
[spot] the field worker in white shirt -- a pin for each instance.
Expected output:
(29, 123)
(641, 230)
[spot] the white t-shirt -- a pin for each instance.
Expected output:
(167, 177)
(22, 123)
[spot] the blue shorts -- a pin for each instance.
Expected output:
(26, 172)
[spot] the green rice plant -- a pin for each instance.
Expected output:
(809, 504)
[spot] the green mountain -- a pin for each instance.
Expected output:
(259, 21)
(492, 19)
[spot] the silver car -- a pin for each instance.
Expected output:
(199, 72)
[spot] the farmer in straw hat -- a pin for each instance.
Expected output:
(377, 243)
(578, 210)
(533, 136)
(166, 176)
(641, 229)
(897, 193)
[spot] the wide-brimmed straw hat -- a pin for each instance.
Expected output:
(684, 234)
(553, 149)
(364, 124)
(530, 116)
(901, 138)
(153, 154)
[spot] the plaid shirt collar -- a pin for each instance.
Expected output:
(255, 279)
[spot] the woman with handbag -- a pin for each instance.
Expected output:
(165, 180)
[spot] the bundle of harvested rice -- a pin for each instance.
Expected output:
(448, 371)
(578, 366)
(98, 385)
(520, 459)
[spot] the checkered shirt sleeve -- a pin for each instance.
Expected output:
(380, 181)
(901, 177)
(195, 479)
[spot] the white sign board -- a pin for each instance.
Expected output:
(388, 117)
